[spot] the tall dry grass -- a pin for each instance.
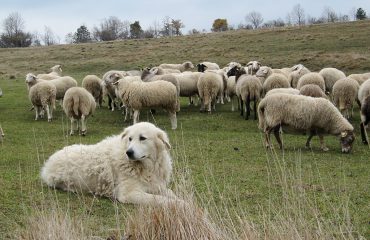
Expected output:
(301, 212)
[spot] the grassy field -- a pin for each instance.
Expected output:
(223, 153)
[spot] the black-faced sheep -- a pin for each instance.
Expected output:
(186, 66)
(94, 85)
(78, 105)
(344, 95)
(42, 96)
(207, 66)
(316, 115)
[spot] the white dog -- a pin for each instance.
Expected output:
(133, 167)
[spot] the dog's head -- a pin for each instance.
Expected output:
(144, 141)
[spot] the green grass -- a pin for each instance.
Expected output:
(220, 148)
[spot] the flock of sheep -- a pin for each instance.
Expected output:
(317, 103)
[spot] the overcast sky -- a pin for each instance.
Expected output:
(66, 16)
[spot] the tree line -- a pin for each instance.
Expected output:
(113, 28)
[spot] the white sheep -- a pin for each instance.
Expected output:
(312, 90)
(155, 74)
(207, 66)
(283, 90)
(109, 89)
(316, 115)
(231, 91)
(284, 71)
(56, 71)
(311, 78)
(297, 72)
(331, 75)
(180, 67)
(253, 67)
(94, 85)
(138, 95)
(364, 100)
(78, 105)
(263, 73)
(275, 80)
(364, 91)
(209, 87)
(224, 77)
(42, 96)
(188, 84)
(344, 95)
(360, 77)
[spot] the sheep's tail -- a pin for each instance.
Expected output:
(76, 104)
(261, 115)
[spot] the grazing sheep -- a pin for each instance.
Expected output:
(78, 105)
(344, 95)
(154, 74)
(138, 95)
(316, 115)
(248, 88)
(253, 67)
(331, 75)
(188, 84)
(311, 78)
(207, 66)
(275, 80)
(298, 71)
(94, 85)
(109, 89)
(312, 90)
(209, 87)
(62, 84)
(283, 90)
(56, 72)
(360, 77)
(42, 96)
(180, 67)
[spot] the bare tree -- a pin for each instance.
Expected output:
(13, 24)
(329, 15)
(166, 27)
(352, 13)
(48, 37)
(298, 15)
(177, 25)
(254, 18)
(110, 29)
(14, 35)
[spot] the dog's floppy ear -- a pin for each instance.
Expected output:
(125, 131)
(164, 138)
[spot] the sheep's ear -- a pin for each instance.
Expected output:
(259, 64)
(164, 138)
(249, 63)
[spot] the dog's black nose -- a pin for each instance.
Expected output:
(130, 153)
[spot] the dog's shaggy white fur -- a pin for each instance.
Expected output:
(133, 167)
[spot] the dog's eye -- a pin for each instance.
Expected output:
(130, 139)
(142, 138)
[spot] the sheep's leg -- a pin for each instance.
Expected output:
(109, 102)
(74, 126)
(241, 107)
(202, 107)
(232, 104)
(358, 103)
(112, 105)
(48, 113)
(83, 125)
(255, 108)
(322, 143)
(248, 107)
(308, 142)
(277, 134)
(173, 120)
(191, 102)
(37, 113)
(267, 138)
(126, 114)
(363, 133)
(51, 112)
(238, 103)
(136, 116)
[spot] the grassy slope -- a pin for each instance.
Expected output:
(222, 143)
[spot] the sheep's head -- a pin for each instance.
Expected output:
(253, 66)
(297, 67)
(56, 68)
(233, 71)
(113, 78)
(188, 65)
(346, 140)
(201, 67)
(30, 78)
(264, 71)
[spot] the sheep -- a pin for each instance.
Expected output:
(364, 99)
(253, 67)
(275, 80)
(298, 71)
(231, 90)
(248, 88)
(78, 105)
(311, 78)
(263, 73)
(207, 66)
(62, 84)
(223, 75)
(283, 90)
(42, 96)
(312, 90)
(56, 71)
(209, 87)
(360, 77)
(345, 94)
(133, 73)
(109, 89)
(284, 71)
(364, 91)
(331, 75)
(153, 74)
(188, 84)
(316, 115)
(230, 65)
(137, 95)
(94, 85)
(180, 67)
